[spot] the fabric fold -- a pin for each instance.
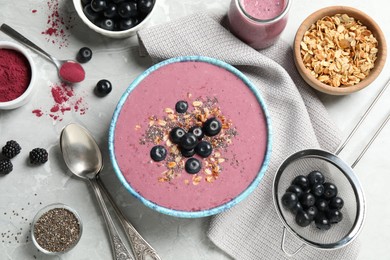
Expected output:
(252, 229)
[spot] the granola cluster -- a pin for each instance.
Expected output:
(157, 133)
(339, 50)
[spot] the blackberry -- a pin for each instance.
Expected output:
(5, 166)
(38, 156)
(11, 149)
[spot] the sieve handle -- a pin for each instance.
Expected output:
(371, 141)
(362, 119)
(283, 247)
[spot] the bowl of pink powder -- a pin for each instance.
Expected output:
(17, 73)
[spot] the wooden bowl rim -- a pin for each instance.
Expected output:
(367, 21)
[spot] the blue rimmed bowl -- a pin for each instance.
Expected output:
(152, 96)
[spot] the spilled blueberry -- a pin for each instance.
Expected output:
(158, 153)
(193, 165)
(84, 55)
(103, 87)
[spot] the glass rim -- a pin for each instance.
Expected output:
(265, 21)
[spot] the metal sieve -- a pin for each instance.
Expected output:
(336, 171)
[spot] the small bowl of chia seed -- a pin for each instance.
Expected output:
(56, 229)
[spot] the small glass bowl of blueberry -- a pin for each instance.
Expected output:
(115, 18)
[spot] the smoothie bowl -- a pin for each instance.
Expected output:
(190, 137)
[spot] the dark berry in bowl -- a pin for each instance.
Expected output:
(193, 165)
(84, 55)
(302, 182)
(312, 212)
(334, 216)
(103, 87)
(296, 189)
(203, 149)
(11, 149)
(5, 166)
(187, 153)
(322, 222)
(289, 200)
(318, 190)
(336, 203)
(127, 10)
(307, 200)
(98, 5)
(197, 131)
(188, 141)
(322, 204)
(330, 190)
(107, 24)
(181, 106)
(177, 134)
(145, 6)
(212, 126)
(90, 14)
(38, 156)
(85, 2)
(111, 11)
(117, 1)
(125, 24)
(158, 153)
(302, 218)
(315, 177)
(296, 208)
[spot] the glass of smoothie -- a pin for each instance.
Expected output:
(258, 23)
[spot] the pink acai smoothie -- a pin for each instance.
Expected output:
(258, 23)
(148, 114)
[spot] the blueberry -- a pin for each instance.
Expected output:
(330, 190)
(334, 216)
(212, 126)
(103, 87)
(98, 5)
(302, 218)
(117, 1)
(193, 165)
(85, 2)
(197, 131)
(90, 14)
(315, 177)
(84, 55)
(158, 153)
(307, 200)
(127, 10)
(111, 11)
(203, 149)
(322, 222)
(106, 24)
(188, 141)
(176, 135)
(289, 200)
(125, 24)
(187, 153)
(145, 6)
(322, 204)
(181, 106)
(312, 212)
(336, 203)
(296, 208)
(318, 190)
(302, 182)
(296, 189)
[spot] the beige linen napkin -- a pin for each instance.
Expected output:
(252, 229)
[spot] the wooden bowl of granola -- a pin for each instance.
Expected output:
(339, 50)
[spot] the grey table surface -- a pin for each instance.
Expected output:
(24, 191)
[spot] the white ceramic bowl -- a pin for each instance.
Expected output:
(113, 34)
(47, 209)
(25, 97)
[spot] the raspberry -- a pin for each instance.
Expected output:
(11, 149)
(5, 166)
(38, 156)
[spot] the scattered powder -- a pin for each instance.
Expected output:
(65, 100)
(58, 23)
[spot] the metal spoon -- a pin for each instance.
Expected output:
(79, 153)
(68, 70)
(78, 136)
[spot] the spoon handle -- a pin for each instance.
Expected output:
(141, 249)
(120, 252)
(20, 38)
